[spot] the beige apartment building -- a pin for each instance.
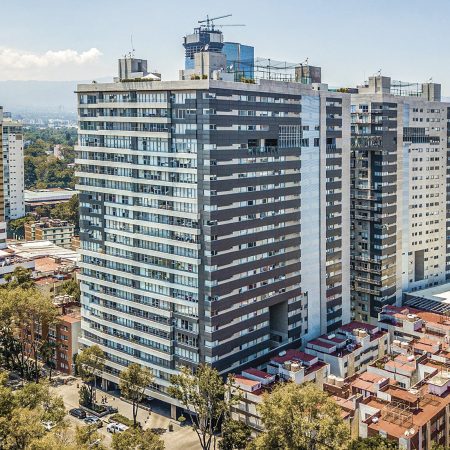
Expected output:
(59, 232)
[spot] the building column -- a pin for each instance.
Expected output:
(173, 412)
(104, 384)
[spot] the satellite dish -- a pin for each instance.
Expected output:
(206, 47)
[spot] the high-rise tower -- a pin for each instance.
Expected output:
(214, 220)
(399, 192)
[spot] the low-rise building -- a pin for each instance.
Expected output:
(64, 334)
(59, 232)
(413, 331)
(9, 261)
(351, 348)
(414, 418)
(47, 197)
(289, 366)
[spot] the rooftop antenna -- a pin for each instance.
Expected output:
(132, 47)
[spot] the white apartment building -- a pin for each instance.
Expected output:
(13, 169)
(2, 190)
(399, 192)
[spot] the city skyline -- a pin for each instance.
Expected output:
(86, 51)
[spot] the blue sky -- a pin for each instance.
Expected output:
(350, 39)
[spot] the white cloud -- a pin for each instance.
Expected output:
(17, 59)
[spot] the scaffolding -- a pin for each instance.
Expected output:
(270, 69)
(406, 89)
(398, 413)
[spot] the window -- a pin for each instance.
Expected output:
(290, 136)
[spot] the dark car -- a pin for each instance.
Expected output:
(77, 412)
(111, 409)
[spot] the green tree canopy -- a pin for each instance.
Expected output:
(301, 417)
(235, 435)
(373, 443)
(88, 437)
(204, 394)
(68, 211)
(90, 365)
(19, 278)
(136, 439)
(133, 382)
(22, 415)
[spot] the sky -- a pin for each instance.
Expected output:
(350, 39)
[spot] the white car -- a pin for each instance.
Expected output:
(115, 427)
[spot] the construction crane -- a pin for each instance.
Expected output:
(210, 22)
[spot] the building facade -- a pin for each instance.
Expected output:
(399, 192)
(58, 232)
(13, 169)
(2, 189)
(214, 221)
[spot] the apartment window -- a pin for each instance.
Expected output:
(290, 136)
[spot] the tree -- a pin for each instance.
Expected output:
(373, 443)
(203, 394)
(71, 287)
(25, 317)
(37, 316)
(90, 365)
(39, 397)
(235, 435)
(68, 211)
(22, 414)
(47, 351)
(301, 417)
(6, 397)
(23, 426)
(88, 437)
(133, 382)
(59, 439)
(19, 277)
(16, 227)
(436, 446)
(136, 439)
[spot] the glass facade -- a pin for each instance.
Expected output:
(240, 59)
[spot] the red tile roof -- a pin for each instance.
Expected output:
(293, 355)
(257, 373)
(349, 327)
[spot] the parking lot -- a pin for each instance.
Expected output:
(181, 438)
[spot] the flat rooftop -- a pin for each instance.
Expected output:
(436, 298)
(39, 249)
(43, 195)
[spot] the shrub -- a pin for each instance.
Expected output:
(121, 419)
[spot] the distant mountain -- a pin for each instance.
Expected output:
(39, 96)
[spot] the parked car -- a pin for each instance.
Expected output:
(48, 425)
(115, 427)
(111, 409)
(77, 412)
(93, 420)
